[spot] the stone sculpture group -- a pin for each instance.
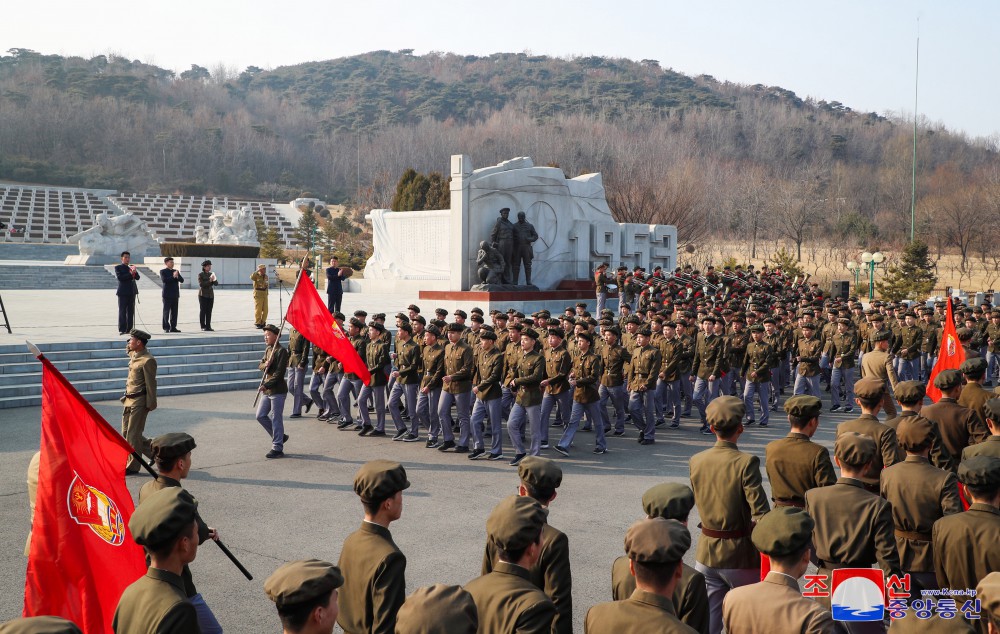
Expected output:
(499, 261)
(114, 234)
(229, 226)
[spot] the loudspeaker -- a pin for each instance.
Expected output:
(841, 289)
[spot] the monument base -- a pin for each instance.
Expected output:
(92, 260)
(502, 288)
(527, 302)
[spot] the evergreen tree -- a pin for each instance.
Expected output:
(308, 230)
(912, 277)
(416, 192)
(270, 242)
(787, 262)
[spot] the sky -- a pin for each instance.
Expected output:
(858, 52)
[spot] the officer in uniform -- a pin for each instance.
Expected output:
(930, 343)
(376, 359)
(854, 527)
(540, 478)
(373, 566)
(525, 382)
(140, 396)
(506, 599)
(910, 395)
(407, 377)
(601, 281)
(795, 463)
(172, 453)
(438, 609)
(642, 377)
(432, 371)
(584, 378)
(869, 396)
(959, 426)
(706, 370)
(486, 387)
(843, 349)
(305, 594)
(654, 547)
(776, 603)
(166, 526)
(990, 446)
(670, 501)
(260, 286)
(615, 360)
(756, 366)
(206, 295)
(351, 384)
(730, 497)
(973, 395)
(557, 391)
(807, 355)
(965, 544)
(877, 364)
(274, 390)
(919, 494)
(459, 366)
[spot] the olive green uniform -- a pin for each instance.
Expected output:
(690, 598)
(260, 284)
(507, 601)
(374, 581)
(155, 604)
(139, 400)
(794, 465)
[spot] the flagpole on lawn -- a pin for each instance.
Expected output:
(142, 460)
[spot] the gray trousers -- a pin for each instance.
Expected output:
(427, 413)
(909, 369)
(330, 385)
(270, 412)
(296, 378)
(847, 376)
(482, 410)
(515, 427)
(591, 410)
(718, 582)
(348, 388)
(368, 393)
(395, 398)
(763, 393)
(565, 402)
(705, 392)
(463, 402)
(642, 406)
(668, 393)
(315, 385)
(807, 385)
(618, 397)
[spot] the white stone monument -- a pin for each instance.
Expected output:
(229, 226)
(104, 242)
(438, 250)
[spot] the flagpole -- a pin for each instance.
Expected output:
(913, 182)
(135, 454)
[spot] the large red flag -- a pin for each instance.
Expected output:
(82, 554)
(950, 356)
(310, 317)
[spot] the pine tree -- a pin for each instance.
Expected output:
(306, 233)
(787, 262)
(270, 242)
(912, 277)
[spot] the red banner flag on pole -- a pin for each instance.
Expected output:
(950, 356)
(307, 313)
(82, 555)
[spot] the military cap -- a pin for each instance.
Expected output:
(272, 328)
(475, 309)
(557, 332)
(142, 335)
(581, 304)
(377, 325)
(438, 609)
(803, 406)
(964, 334)
(40, 625)
(991, 409)
(554, 323)
(882, 335)
(406, 327)
(725, 413)
(808, 326)
(377, 480)
(357, 322)
(869, 389)
(172, 445)
(419, 319)
(302, 581)
(403, 317)
(529, 332)
(914, 432)
(974, 367)
(516, 522)
(615, 330)
(586, 335)
(162, 516)
(756, 328)
(414, 308)
(434, 330)
(645, 332)
(516, 327)
(947, 380)
(910, 391)
(844, 320)
(460, 313)
(360, 313)
(854, 449)
(988, 592)
(339, 315)
(379, 316)
(669, 500)
(518, 314)
(809, 312)
(544, 313)
(785, 530)
(656, 540)
(769, 320)
(440, 323)
(441, 311)
(980, 472)
(476, 318)
(878, 317)
(207, 263)
(455, 327)
(500, 316)
(488, 334)
(541, 473)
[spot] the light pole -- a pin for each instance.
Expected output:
(871, 260)
(853, 267)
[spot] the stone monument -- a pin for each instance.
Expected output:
(104, 242)
(229, 226)
(571, 232)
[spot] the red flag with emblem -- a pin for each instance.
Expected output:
(307, 313)
(950, 356)
(82, 555)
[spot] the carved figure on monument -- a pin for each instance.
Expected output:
(200, 235)
(114, 234)
(490, 264)
(229, 226)
(524, 236)
(502, 238)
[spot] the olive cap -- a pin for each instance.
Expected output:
(438, 609)
(378, 480)
(725, 413)
(488, 334)
(991, 409)
(988, 592)
(273, 328)
(908, 392)
(803, 406)
(669, 500)
(982, 472)
(455, 327)
(914, 432)
(854, 449)
(656, 540)
(40, 625)
(172, 445)
(515, 523)
(163, 516)
(302, 581)
(974, 367)
(529, 332)
(869, 389)
(882, 335)
(141, 335)
(947, 380)
(783, 531)
(540, 473)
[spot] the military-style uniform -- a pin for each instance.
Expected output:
(351, 384)
(974, 397)
(427, 401)
(641, 612)
(809, 352)
(270, 410)
(642, 377)
(876, 364)
(615, 361)
(887, 451)
(376, 359)
(965, 546)
(586, 371)
(374, 583)
(527, 377)
(707, 363)
(298, 359)
(795, 464)
(408, 367)
(757, 362)
(260, 285)
(843, 350)
(959, 426)
(668, 387)
(459, 364)
(558, 364)
(489, 374)
(939, 456)
(989, 447)
(775, 605)
(690, 601)
(139, 399)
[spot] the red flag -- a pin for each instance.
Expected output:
(310, 317)
(82, 554)
(950, 356)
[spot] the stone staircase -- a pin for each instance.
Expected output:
(22, 277)
(36, 251)
(98, 369)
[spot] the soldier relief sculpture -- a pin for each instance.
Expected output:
(499, 261)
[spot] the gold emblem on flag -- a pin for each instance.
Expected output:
(95, 509)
